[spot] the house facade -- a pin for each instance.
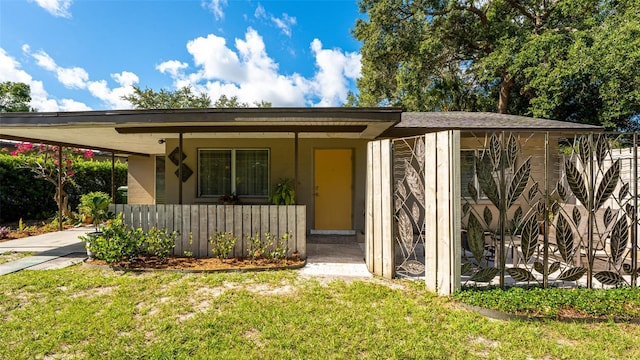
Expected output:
(345, 164)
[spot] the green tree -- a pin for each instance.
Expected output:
(182, 98)
(14, 97)
(573, 60)
(166, 99)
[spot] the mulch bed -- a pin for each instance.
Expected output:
(190, 264)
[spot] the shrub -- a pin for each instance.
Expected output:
(279, 248)
(222, 244)
(256, 248)
(160, 242)
(116, 242)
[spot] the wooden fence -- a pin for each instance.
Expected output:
(196, 223)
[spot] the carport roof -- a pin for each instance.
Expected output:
(141, 131)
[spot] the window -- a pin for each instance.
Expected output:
(244, 172)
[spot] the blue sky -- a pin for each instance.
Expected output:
(86, 54)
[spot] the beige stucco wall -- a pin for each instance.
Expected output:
(141, 180)
(282, 155)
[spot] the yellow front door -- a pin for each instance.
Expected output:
(333, 183)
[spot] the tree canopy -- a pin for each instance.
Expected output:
(573, 60)
(15, 96)
(182, 98)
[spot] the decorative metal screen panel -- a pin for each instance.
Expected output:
(541, 209)
(409, 206)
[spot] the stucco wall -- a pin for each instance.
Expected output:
(282, 155)
(141, 180)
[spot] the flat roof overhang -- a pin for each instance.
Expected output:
(141, 131)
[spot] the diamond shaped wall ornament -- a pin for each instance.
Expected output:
(186, 172)
(174, 157)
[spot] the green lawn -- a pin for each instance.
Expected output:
(81, 312)
(8, 256)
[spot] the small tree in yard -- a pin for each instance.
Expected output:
(45, 162)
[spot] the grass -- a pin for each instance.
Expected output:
(621, 303)
(8, 256)
(80, 312)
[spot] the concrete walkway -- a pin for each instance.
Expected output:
(53, 250)
(326, 256)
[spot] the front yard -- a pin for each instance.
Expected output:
(81, 312)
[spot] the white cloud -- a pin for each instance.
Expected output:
(284, 23)
(78, 78)
(215, 6)
(10, 70)
(172, 67)
(58, 8)
(335, 67)
(248, 72)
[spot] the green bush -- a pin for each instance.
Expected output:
(24, 196)
(222, 244)
(160, 242)
(118, 242)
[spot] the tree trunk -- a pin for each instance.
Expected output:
(65, 202)
(505, 91)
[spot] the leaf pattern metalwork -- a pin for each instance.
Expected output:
(610, 278)
(572, 274)
(401, 190)
(466, 267)
(485, 275)
(539, 267)
(541, 208)
(529, 237)
(619, 239)
(576, 182)
(465, 208)
(562, 192)
(555, 266)
(564, 238)
(475, 235)
(495, 151)
(405, 231)
(413, 267)
(512, 150)
(576, 216)
(624, 191)
(415, 211)
(419, 151)
(487, 215)
(487, 183)
(518, 182)
(533, 191)
(601, 149)
(413, 181)
(517, 215)
(585, 149)
(608, 184)
(519, 274)
(630, 208)
(608, 216)
(555, 207)
(472, 191)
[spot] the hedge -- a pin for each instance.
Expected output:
(24, 196)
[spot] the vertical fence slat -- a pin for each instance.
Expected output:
(246, 225)
(386, 206)
(202, 221)
(211, 226)
(368, 245)
(291, 229)
(178, 225)
(301, 236)
(377, 212)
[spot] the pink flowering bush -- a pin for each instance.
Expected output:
(46, 163)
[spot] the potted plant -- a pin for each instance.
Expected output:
(229, 199)
(94, 206)
(283, 192)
